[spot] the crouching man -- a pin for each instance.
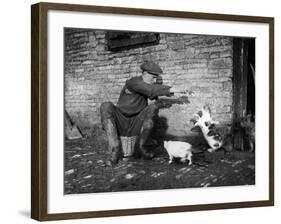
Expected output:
(128, 124)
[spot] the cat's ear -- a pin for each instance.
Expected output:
(196, 118)
(207, 108)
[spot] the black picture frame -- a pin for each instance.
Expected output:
(39, 108)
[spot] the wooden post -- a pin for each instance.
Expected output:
(240, 74)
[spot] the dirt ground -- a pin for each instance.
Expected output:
(86, 170)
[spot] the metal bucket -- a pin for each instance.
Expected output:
(128, 145)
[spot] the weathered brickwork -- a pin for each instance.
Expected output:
(199, 63)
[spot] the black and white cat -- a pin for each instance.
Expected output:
(207, 125)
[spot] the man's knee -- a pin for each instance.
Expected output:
(152, 108)
(152, 112)
(150, 117)
(106, 109)
(147, 124)
(106, 106)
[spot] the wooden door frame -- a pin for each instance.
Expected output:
(240, 85)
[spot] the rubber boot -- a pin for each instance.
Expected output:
(144, 135)
(113, 140)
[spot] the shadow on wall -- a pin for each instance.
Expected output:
(160, 134)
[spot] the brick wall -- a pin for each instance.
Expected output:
(199, 63)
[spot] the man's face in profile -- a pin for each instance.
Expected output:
(149, 78)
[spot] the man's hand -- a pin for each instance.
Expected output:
(174, 90)
(178, 92)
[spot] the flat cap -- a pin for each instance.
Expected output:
(151, 67)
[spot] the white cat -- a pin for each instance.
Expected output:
(178, 149)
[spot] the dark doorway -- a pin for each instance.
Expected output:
(243, 85)
(251, 78)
